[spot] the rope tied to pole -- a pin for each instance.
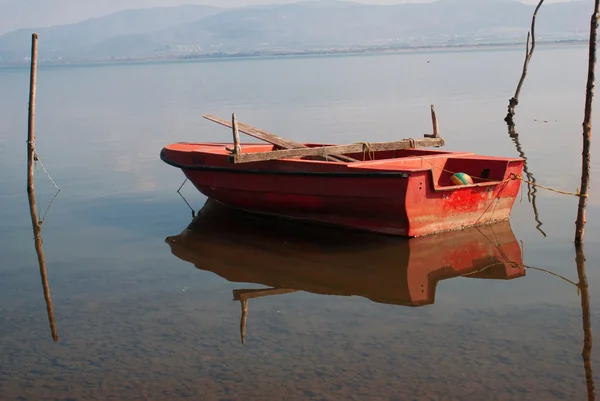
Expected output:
(514, 176)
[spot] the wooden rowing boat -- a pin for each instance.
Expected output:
(394, 188)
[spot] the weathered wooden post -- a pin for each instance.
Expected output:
(244, 303)
(434, 124)
(514, 101)
(37, 231)
(584, 293)
(31, 158)
(236, 136)
(587, 128)
(31, 120)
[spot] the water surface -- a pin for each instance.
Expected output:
(137, 321)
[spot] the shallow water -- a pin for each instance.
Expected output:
(137, 321)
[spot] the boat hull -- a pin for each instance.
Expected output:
(404, 196)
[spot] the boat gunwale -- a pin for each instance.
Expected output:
(373, 173)
(437, 154)
(403, 174)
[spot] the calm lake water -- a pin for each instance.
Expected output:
(140, 318)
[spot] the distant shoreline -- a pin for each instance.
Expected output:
(300, 53)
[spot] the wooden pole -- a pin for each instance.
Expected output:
(244, 303)
(31, 120)
(31, 135)
(31, 158)
(586, 321)
(37, 232)
(514, 101)
(587, 127)
(236, 136)
(434, 122)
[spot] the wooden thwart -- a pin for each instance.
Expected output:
(328, 151)
(269, 137)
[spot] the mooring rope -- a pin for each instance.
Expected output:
(577, 193)
(37, 159)
(513, 176)
(517, 265)
(185, 200)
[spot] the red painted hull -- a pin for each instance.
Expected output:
(406, 193)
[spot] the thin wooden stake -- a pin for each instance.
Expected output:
(587, 127)
(434, 122)
(37, 232)
(31, 158)
(31, 120)
(244, 303)
(514, 101)
(584, 293)
(236, 136)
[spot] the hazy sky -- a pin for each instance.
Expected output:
(15, 14)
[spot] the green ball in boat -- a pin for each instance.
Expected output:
(461, 179)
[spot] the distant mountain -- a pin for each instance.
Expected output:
(17, 14)
(319, 24)
(69, 41)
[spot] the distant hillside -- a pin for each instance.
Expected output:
(320, 24)
(17, 14)
(72, 40)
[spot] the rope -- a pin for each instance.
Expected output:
(38, 163)
(37, 159)
(367, 148)
(519, 265)
(48, 208)
(518, 177)
(185, 200)
(513, 176)
(178, 191)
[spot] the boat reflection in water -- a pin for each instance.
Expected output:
(289, 256)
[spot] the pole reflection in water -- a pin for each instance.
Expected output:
(531, 189)
(288, 256)
(37, 232)
(585, 316)
(244, 295)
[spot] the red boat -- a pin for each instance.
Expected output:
(403, 191)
